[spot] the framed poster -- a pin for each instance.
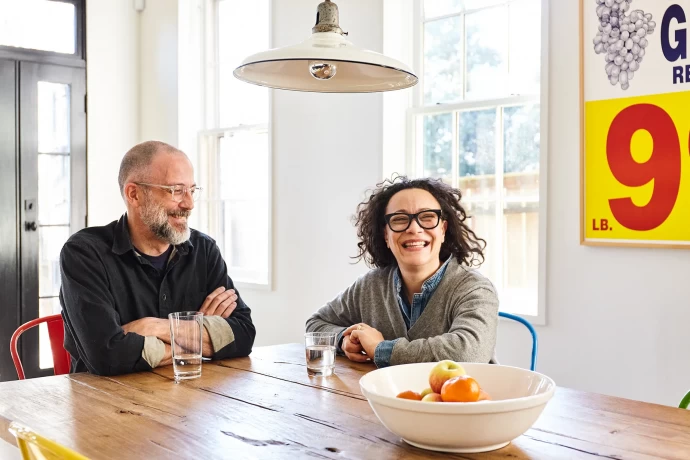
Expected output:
(635, 123)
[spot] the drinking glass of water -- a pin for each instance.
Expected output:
(186, 342)
(320, 352)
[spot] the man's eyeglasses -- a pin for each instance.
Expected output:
(177, 191)
(400, 221)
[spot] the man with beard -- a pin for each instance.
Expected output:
(120, 281)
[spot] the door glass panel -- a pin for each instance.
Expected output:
(39, 25)
(53, 189)
(46, 307)
(54, 197)
(51, 240)
(53, 117)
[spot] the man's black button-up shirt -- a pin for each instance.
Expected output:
(105, 284)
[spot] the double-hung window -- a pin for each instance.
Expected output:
(235, 148)
(477, 123)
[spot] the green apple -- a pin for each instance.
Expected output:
(432, 397)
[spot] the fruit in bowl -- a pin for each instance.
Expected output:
(448, 383)
(443, 371)
(518, 397)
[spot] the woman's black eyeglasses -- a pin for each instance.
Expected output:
(427, 219)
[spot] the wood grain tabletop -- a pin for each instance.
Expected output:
(266, 406)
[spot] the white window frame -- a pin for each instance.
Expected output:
(414, 150)
(209, 143)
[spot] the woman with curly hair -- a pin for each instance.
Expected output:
(422, 301)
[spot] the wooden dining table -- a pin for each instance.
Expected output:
(267, 406)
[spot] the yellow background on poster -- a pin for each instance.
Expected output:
(601, 185)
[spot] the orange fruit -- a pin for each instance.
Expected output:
(484, 396)
(410, 395)
(460, 389)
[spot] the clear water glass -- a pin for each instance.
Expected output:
(186, 335)
(320, 353)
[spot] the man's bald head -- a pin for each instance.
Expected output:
(136, 162)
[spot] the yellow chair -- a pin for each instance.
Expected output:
(35, 447)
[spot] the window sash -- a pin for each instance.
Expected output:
(211, 214)
(414, 141)
(420, 23)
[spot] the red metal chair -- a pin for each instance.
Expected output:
(56, 333)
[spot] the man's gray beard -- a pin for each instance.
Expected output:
(156, 219)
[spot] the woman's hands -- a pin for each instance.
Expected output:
(360, 341)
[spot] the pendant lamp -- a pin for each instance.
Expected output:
(326, 62)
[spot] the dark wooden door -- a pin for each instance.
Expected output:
(49, 195)
(9, 233)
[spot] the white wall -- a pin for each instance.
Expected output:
(617, 318)
(132, 88)
(112, 86)
(326, 153)
(158, 107)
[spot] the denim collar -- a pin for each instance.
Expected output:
(429, 286)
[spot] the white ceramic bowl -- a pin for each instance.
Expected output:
(518, 398)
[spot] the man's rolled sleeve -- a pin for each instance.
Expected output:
(154, 350)
(219, 331)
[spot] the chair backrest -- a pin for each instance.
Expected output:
(56, 334)
(533, 362)
(685, 402)
(35, 447)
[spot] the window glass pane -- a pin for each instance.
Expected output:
(482, 221)
(477, 4)
(51, 240)
(244, 191)
(443, 61)
(487, 53)
(477, 154)
(39, 25)
(242, 31)
(245, 237)
(521, 146)
(521, 209)
(438, 146)
(434, 8)
(46, 307)
(525, 46)
(521, 257)
(53, 189)
(244, 166)
(53, 117)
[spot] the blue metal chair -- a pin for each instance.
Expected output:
(533, 364)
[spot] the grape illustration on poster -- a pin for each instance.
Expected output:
(622, 39)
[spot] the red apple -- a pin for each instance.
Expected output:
(443, 371)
